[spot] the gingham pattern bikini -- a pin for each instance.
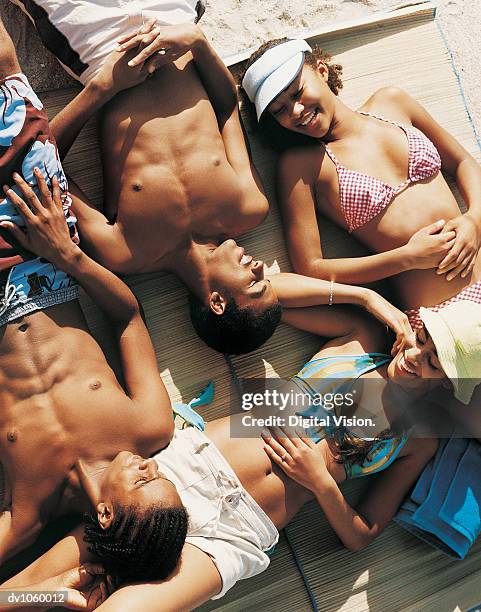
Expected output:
(363, 196)
(468, 294)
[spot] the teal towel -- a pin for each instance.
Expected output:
(444, 508)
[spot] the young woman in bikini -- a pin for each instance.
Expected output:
(376, 172)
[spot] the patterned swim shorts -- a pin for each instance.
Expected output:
(27, 282)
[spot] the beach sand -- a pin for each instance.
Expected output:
(234, 25)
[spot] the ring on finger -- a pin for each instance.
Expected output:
(283, 458)
(162, 51)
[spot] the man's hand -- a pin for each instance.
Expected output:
(46, 232)
(429, 244)
(388, 314)
(87, 586)
(462, 255)
(117, 74)
(160, 44)
(299, 457)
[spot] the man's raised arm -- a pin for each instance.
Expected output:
(47, 236)
(113, 77)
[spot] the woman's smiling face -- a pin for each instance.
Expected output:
(307, 105)
(417, 368)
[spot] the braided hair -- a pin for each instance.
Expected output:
(139, 545)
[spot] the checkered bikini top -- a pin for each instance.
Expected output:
(363, 196)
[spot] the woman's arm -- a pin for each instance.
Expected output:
(297, 292)
(298, 172)
(304, 462)
(467, 173)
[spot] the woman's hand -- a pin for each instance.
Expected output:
(429, 245)
(462, 256)
(46, 228)
(298, 457)
(388, 314)
(160, 44)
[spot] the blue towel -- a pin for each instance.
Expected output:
(444, 508)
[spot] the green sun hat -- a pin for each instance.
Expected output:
(456, 333)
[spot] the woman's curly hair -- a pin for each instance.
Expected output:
(350, 449)
(311, 58)
(273, 134)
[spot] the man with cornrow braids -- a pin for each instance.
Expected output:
(145, 547)
(61, 405)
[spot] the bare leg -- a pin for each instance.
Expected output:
(8, 58)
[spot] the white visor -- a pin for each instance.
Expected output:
(273, 72)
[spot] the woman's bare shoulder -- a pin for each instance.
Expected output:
(390, 102)
(306, 163)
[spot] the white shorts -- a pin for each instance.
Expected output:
(81, 33)
(225, 522)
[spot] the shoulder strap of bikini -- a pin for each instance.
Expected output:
(331, 155)
(381, 118)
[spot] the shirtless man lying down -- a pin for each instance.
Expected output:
(54, 378)
(178, 179)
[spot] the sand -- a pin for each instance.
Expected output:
(234, 25)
